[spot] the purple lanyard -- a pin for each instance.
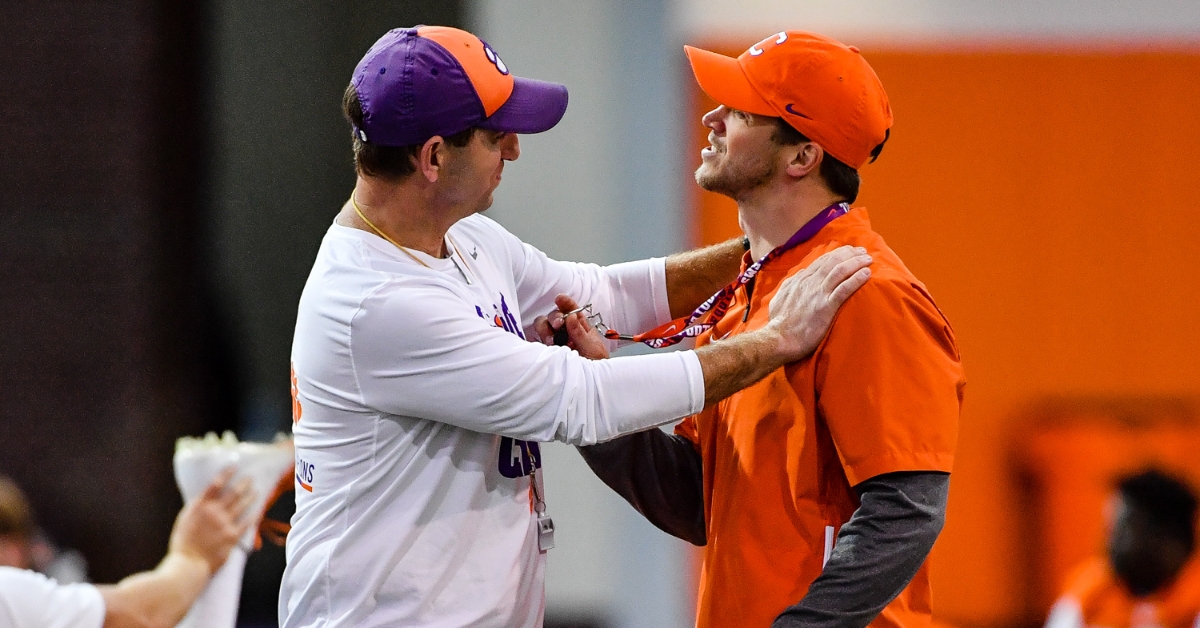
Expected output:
(666, 335)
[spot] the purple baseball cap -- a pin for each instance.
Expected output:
(415, 83)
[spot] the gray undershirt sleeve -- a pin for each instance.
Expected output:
(877, 552)
(659, 474)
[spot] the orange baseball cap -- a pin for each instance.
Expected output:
(823, 88)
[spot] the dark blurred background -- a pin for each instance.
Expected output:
(148, 289)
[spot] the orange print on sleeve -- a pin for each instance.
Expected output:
(297, 409)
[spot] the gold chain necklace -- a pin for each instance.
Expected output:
(383, 235)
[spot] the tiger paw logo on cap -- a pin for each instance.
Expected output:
(494, 58)
(766, 44)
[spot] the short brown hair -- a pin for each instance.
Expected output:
(387, 162)
(16, 518)
(840, 178)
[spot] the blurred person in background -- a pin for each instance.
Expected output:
(1150, 577)
(205, 531)
(419, 402)
(24, 546)
(16, 527)
(819, 491)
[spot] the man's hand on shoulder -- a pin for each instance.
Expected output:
(802, 311)
(803, 308)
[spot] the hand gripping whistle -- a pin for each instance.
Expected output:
(560, 335)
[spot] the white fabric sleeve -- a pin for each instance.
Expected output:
(418, 352)
(30, 600)
(217, 606)
(1066, 613)
(630, 296)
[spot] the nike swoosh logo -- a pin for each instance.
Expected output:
(789, 109)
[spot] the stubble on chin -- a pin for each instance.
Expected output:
(734, 182)
(708, 180)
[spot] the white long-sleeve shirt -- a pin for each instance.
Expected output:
(419, 403)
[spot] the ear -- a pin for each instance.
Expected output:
(429, 160)
(803, 159)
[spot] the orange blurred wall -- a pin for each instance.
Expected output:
(1049, 201)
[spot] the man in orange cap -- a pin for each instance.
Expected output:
(819, 491)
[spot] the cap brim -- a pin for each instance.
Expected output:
(534, 106)
(724, 81)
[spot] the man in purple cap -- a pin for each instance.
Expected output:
(418, 402)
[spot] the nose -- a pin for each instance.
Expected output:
(510, 147)
(715, 119)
